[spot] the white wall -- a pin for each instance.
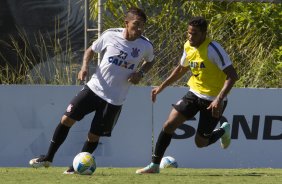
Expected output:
(245, 152)
(29, 115)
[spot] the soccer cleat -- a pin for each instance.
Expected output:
(150, 169)
(70, 170)
(39, 162)
(226, 138)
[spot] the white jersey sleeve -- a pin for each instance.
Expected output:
(100, 44)
(149, 56)
(183, 60)
(218, 55)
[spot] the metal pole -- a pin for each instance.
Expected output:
(86, 19)
(153, 132)
(100, 11)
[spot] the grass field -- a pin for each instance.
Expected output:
(127, 175)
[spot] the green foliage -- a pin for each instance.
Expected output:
(250, 32)
(36, 66)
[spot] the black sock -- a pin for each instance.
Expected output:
(59, 137)
(89, 147)
(161, 145)
(216, 134)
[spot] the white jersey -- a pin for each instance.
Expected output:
(120, 58)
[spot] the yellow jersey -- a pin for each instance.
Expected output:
(207, 78)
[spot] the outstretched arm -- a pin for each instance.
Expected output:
(176, 74)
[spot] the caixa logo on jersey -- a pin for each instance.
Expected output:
(258, 127)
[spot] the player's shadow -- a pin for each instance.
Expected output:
(235, 174)
(216, 175)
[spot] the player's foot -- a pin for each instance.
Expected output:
(39, 162)
(226, 138)
(150, 169)
(70, 170)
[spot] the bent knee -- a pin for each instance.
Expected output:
(175, 119)
(169, 128)
(67, 121)
(200, 141)
(200, 144)
(93, 137)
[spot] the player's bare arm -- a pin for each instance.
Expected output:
(217, 105)
(88, 55)
(176, 74)
(135, 77)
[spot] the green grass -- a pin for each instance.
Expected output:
(127, 175)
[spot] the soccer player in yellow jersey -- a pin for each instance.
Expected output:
(213, 76)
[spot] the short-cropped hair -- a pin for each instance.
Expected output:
(200, 22)
(136, 11)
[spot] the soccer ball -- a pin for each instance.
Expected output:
(168, 162)
(84, 163)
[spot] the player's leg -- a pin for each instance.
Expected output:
(182, 111)
(225, 139)
(58, 138)
(206, 132)
(89, 146)
(174, 120)
(91, 143)
(103, 123)
(77, 109)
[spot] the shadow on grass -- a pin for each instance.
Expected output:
(251, 174)
(243, 174)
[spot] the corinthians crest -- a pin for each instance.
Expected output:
(134, 52)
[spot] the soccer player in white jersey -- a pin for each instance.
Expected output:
(213, 76)
(123, 49)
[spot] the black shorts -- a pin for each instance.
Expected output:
(190, 105)
(106, 114)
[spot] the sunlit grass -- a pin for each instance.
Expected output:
(127, 175)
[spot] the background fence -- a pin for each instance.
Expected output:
(243, 28)
(250, 31)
